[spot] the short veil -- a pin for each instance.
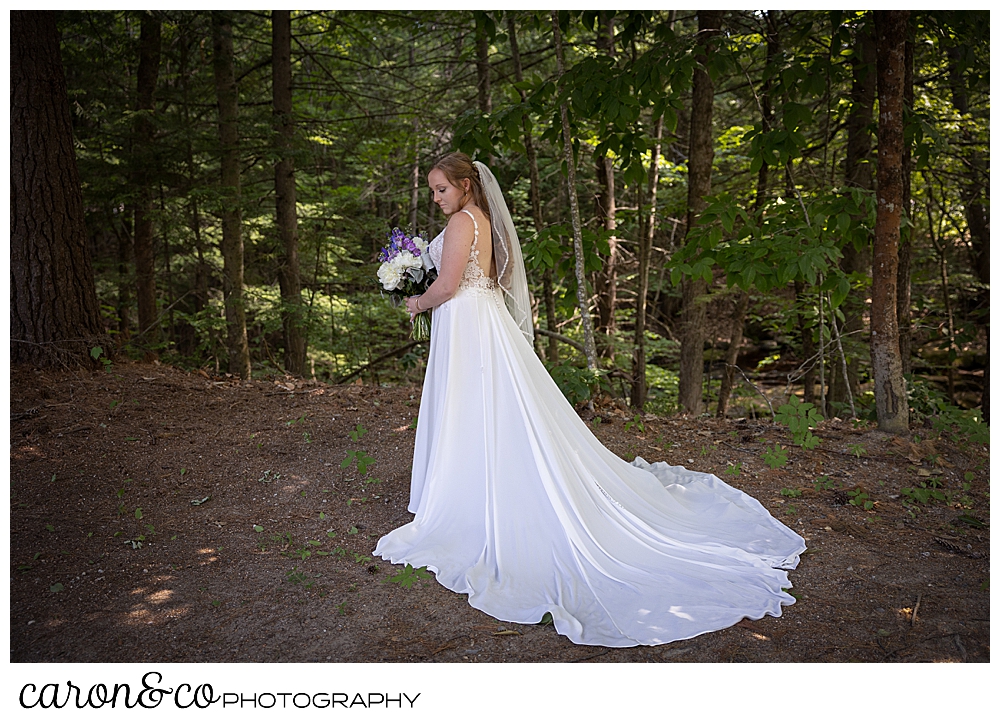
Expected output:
(507, 253)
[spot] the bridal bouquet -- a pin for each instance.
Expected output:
(407, 270)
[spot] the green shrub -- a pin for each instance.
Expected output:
(800, 417)
(574, 382)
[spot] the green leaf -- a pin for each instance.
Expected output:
(410, 576)
(838, 295)
(138, 513)
(728, 218)
(843, 222)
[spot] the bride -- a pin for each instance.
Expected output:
(518, 505)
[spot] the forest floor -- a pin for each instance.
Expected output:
(160, 515)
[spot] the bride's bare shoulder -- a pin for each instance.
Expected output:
(459, 234)
(461, 222)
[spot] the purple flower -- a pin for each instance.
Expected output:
(398, 241)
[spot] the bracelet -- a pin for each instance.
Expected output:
(416, 303)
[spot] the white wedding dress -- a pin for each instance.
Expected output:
(519, 505)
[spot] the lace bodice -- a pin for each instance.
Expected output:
(473, 277)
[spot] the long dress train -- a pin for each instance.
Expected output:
(518, 505)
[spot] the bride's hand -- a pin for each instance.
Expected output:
(411, 306)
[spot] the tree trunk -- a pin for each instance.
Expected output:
(483, 93)
(606, 280)
(535, 192)
(890, 388)
(646, 230)
(143, 163)
(123, 233)
(808, 345)
(733, 352)
(415, 174)
(977, 213)
(232, 238)
(54, 313)
(574, 207)
(202, 271)
(858, 174)
(903, 274)
(743, 299)
(415, 190)
(941, 247)
(700, 156)
(292, 322)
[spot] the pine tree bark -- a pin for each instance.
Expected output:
(574, 205)
(535, 193)
(292, 321)
(54, 314)
(858, 174)
(700, 157)
(143, 163)
(890, 388)
(232, 237)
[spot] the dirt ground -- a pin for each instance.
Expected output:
(160, 515)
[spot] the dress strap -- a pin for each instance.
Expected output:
(475, 239)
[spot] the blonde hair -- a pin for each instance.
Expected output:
(457, 167)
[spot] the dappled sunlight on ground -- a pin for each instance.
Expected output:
(879, 584)
(158, 598)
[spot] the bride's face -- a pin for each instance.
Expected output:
(448, 197)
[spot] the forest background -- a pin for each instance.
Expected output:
(695, 194)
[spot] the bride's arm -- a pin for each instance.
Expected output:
(458, 237)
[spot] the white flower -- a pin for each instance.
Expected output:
(390, 275)
(405, 260)
(420, 244)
